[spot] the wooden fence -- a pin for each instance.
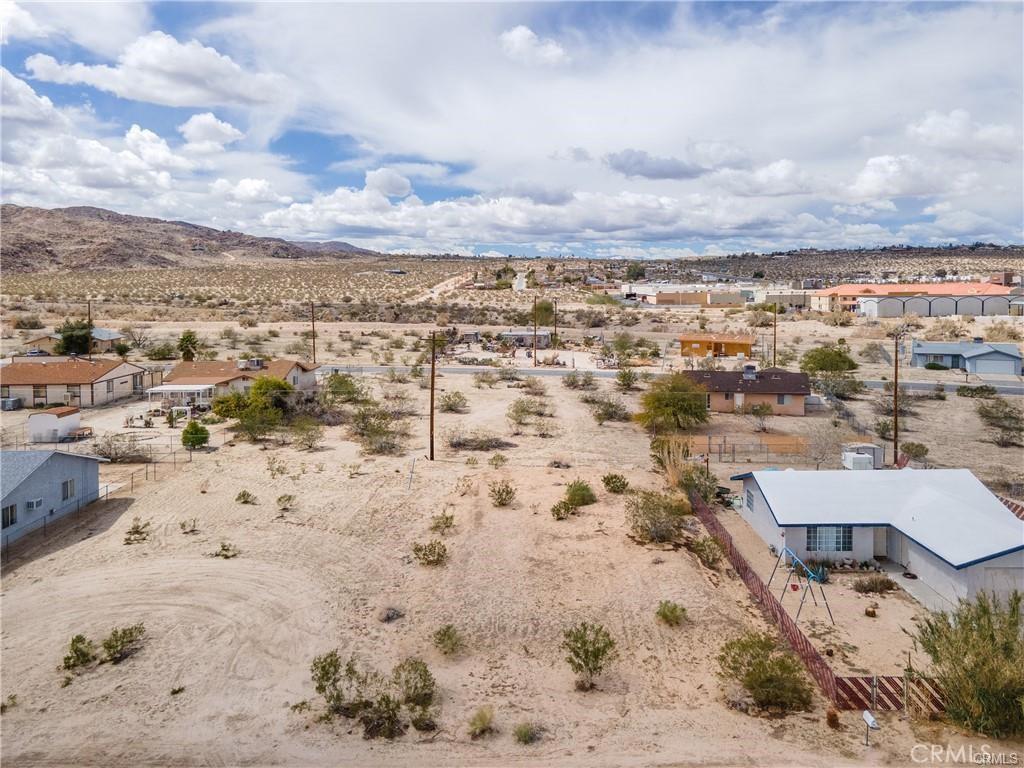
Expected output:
(885, 693)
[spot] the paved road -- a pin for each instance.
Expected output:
(916, 386)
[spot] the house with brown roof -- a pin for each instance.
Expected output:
(735, 391)
(72, 381)
(103, 340)
(700, 344)
(227, 376)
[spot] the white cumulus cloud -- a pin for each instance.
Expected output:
(205, 133)
(388, 182)
(522, 44)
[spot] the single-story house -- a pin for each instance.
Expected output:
(53, 424)
(974, 356)
(103, 340)
(71, 381)
(238, 375)
(716, 344)
(734, 391)
(523, 337)
(40, 485)
(942, 525)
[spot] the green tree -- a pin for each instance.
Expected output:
(635, 270)
(829, 359)
(122, 348)
(270, 391)
(674, 402)
(258, 420)
(544, 313)
(194, 435)
(75, 337)
(189, 345)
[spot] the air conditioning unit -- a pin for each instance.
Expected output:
(858, 460)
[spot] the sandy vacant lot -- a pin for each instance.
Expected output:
(238, 635)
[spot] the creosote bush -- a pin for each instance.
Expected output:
(138, 531)
(123, 642)
(414, 682)
(653, 516)
(245, 497)
(448, 640)
(442, 523)
(452, 402)
(226, 551)
(502, 492)
(671, 613)
(614, 483)
(708, 550)
(81, 652)
(382, 718)
(528, 733)
(563, 508)
(770, 674)
(434, 552)
(589, 648)
(285, 501)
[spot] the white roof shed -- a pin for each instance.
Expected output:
(947, 511)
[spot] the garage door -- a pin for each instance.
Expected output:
(995, 366)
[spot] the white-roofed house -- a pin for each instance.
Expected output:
(942, 525)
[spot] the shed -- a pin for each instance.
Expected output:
(53, 424)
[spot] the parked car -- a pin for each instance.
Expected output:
(37, 353)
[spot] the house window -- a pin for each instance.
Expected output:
(33, 504)
(830, 538)
(136, 382)
(67, 490)
(10, 513)
(110, 386)
(38, 391)
(5, 391)
(707, 404)
(782, 399)
(295, 380)
(728, 395)
(75, 390)
(750, 500)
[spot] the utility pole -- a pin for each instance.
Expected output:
(433, 368)
(896, 398)
(775, 330)
(534, 331)
(312, 320)
(554, 304)
(88, 313)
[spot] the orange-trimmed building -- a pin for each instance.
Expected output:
(72, 381)
(702, 344)
(846, 296)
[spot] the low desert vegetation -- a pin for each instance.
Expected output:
(481, 723)
(123, 642)
(528, 733)
(874, 584)
(670, 613)
(226, 551)
(589, 649)
(194, 436)
(138, 531)
(453, 402)
(189, 526)
(245, 497)
(614, 483)
(771, 675)
(433, 553)
(657, 517)
(448, 640)
(442, 523)
(1004, 419)
(563, 509)
(977, 656)
(708, 550)
(579, 493)
(502, 493)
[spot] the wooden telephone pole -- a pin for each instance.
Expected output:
(554, 306)
(88, 314)
(312, 320)
(534, 331)
(896, 398)
(775, 330)
(433, 368)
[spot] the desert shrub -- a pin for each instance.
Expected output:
(626, 380)
(708, 550)
(257, 420)
(376, 430)
(562, 509)
(475, 441)
(483, 379)
(138, 531)
(579, 493)
(1004, 418)
(980, 391)
(415, 684)
(226, 551)
(123, 642)
(189, 526)
(914, 451)
(481, 723)
(673, 403)
(381, 718)
(452, 402)
(27, 323)
(434, 552)
(528, 733)
(571, 380)
(346, 687)
(770, 674)
(653, 516)
(448, 640)
(163, 351)
(498, 460)
(194, 435)
(118, 448)
(1003, 330)
(231, 405)
(608, 409)
(343, 388)
(873, 352)
(423, 718)
(9, 703)
(875, 584)
(670, 613)
(589, 648)
(307, 434)
(936, 367)
(81, 652)
(502, 493)
(523, 409)
(614, 483)
(694, 478)
(442, 523)
(245, 497)
(883, 428)
(839, 317)
(977, 655)
(285, 501)
(534, 387)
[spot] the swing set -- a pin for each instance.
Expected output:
(805, 577)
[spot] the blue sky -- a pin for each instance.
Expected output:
(601, 129)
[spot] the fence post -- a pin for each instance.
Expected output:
(874, 691)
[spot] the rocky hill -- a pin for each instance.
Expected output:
(40, 239)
